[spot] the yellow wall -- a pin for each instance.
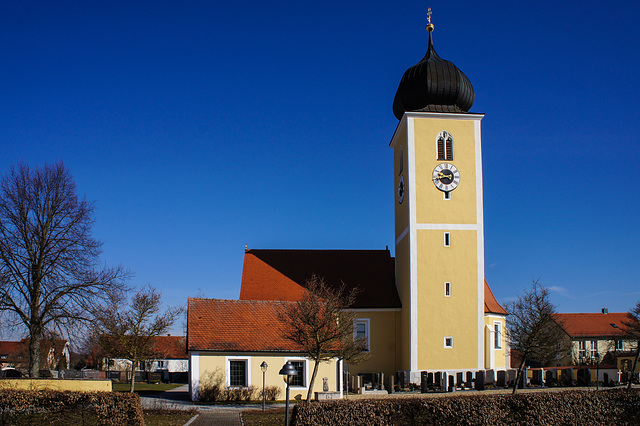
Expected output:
(440, 316)
(499, 355)
(382, 354)
(212, 370)
(402, 282)
(430, 207)
(57, 384)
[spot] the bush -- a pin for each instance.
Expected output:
(543, 408)
(271, 393)
(218, 393)
(47, 406)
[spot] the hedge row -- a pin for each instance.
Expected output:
(105, 408)
(617, 406)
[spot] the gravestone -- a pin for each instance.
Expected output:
(452, 385)
(566, 377)
(511, 377)
(468, 383)
(325, 384)
(489, 377)
(551, 377)
(459, 380)
(536, 377)
(443, 382)
(430, 379)
(584, 377)
(391, 386)
(502, 378)
(480, 380)
(437, 379)
(424, 382)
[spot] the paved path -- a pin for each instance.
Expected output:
(178, 399)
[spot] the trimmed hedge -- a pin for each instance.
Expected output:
(104, 408)
(617, 406)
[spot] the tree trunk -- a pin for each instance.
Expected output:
(313, 379)
(515, 385)
(133, 376)
(635, 365)
(34, 351)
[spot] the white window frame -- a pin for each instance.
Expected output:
(497, 338)
(594, 348)
(448, 346)
(305, 369)
(620, 346)
(447, 289)
(447, 239)
(582, 349)
(227, 366)
(367, 324)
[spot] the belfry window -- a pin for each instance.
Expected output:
(445, 146)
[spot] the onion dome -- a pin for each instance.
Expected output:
(433, 85)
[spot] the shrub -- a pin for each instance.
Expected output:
(271, 393)
(544, 408)
(109, 408)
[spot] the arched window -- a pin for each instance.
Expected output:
(445, 146)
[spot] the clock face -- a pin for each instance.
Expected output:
(401, 190)
(446, 177)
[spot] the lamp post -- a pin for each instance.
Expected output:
(597, 369)
(287, 371)
(263, 367)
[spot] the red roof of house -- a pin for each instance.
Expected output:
(11, 349)
(491, 305)
(593, 325)
(281, 274)
(236, 326)
(170, 347)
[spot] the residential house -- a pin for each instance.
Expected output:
(54, 354)
(595, 337)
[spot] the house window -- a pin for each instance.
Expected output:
(160, 364)
(594, 349)
(447, 239)
(300, 378)
(619, 345)
(447, 289)
(582, 349)
(497, 335)
(238, 373)
(448, 342)
(361, 331)
(445, 146)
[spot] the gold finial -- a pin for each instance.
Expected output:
(429, 25)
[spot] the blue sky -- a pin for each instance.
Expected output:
(198, 127)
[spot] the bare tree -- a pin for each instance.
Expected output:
(533, 330)
(322, 325)
(128, 331)
(632, 326)
(49, 273)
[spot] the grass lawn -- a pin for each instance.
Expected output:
(145, 387)
(167, 417)
(273, 416)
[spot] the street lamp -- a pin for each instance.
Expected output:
(287, 371)
(263, 367)
(597, 355)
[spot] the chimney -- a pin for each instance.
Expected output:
(605, 310)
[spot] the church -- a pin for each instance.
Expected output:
(429, 309)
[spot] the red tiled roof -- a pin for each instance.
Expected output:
(170, 347)
(281, 274)
(236, 326)
(593, 325)
(11, 349)
(491, 305)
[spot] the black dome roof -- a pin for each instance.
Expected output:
(434, 85)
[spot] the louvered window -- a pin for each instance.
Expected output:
(445, 146)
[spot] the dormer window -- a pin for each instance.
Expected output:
(445, 146)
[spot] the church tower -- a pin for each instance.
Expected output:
(439, 227)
